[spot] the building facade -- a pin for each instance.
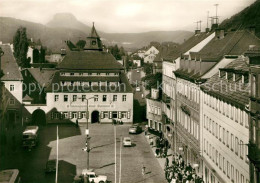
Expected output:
(94, 76)
(225, 127)
(254, 120)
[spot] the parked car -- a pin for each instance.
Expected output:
(127, 142)
(135, 129)
(50, 166)
(92, 176)
(138, 88)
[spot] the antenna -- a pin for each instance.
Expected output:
(207, 19)
(200, 24)
(216, 12)
(197, 25)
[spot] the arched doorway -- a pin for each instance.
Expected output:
(38, 117)
(95, 117)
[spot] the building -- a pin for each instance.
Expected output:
(254, 120)
(150, 55)
(154, 110)
(170, 63)
(11, 121)
(224, 132)
(137, 62)
(199, 64)
(94, 76)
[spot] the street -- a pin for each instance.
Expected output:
(72, 160)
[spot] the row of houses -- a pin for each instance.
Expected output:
(87, 85)
(209, 108)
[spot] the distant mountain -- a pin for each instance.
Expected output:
(250, 16)
(65, 26)
(67, 20)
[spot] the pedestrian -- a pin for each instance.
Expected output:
(77, 123)
(143, 170)
(167, 162)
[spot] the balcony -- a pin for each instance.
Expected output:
(166, 99)
(254, 154)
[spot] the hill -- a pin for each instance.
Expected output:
(244, 19)
(56, 32)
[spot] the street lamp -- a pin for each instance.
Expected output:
(87, 130)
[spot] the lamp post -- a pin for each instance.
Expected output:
(87, 131)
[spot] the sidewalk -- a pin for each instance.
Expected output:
(153, 147)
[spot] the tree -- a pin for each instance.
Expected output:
(42, 55)
(81, 44)
(153, 81)
(21, 44)
(36, 56)
(148, 68)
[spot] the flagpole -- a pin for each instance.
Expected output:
(57, 159)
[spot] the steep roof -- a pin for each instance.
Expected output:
(89, 60)
(9, 65)
(93, 32)
(187, 45)
(121, 78)
(234, 92)
(42, 76)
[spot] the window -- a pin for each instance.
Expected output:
(216, 130)
(232, 173)
(11, 102)
(72, 74)
(107, 74)
(11, 87)
(241, 149)
(114, 114)
(223, 135)
(74, 115)
(104, 98)
(56, 115)
(56, 98)
(217, 158)
(228, 170)
(220, 162)
(237, 175)
(93, 42)
(227, 138)
(74, 98)
(242, 179)
(253, 86)
(83, 98)
(123, 115)
(105, 114)
(219, 132)
(89, 73)
(124, 98)
(65, 98)
(96, 98)
(114, 97)
(232, 142)
(224, 166)
(236, 146)
(66, 116)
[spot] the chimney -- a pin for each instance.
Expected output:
(155, 93)
(220, 33)
(197, 32)
(251, 29)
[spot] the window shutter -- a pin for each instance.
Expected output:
(128, 115)
(70, 115)
(110, 115)
(61, 115)
(52, 115)
(79, 115)
(119, 115)
(102, 115)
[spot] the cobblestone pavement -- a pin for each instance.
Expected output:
(72, 159)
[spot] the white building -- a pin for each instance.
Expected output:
(225, 128)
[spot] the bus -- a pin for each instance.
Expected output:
(10, 176)
(30, 136)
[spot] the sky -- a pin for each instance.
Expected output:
(118, 16)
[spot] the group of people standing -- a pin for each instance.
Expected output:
(179, 172)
